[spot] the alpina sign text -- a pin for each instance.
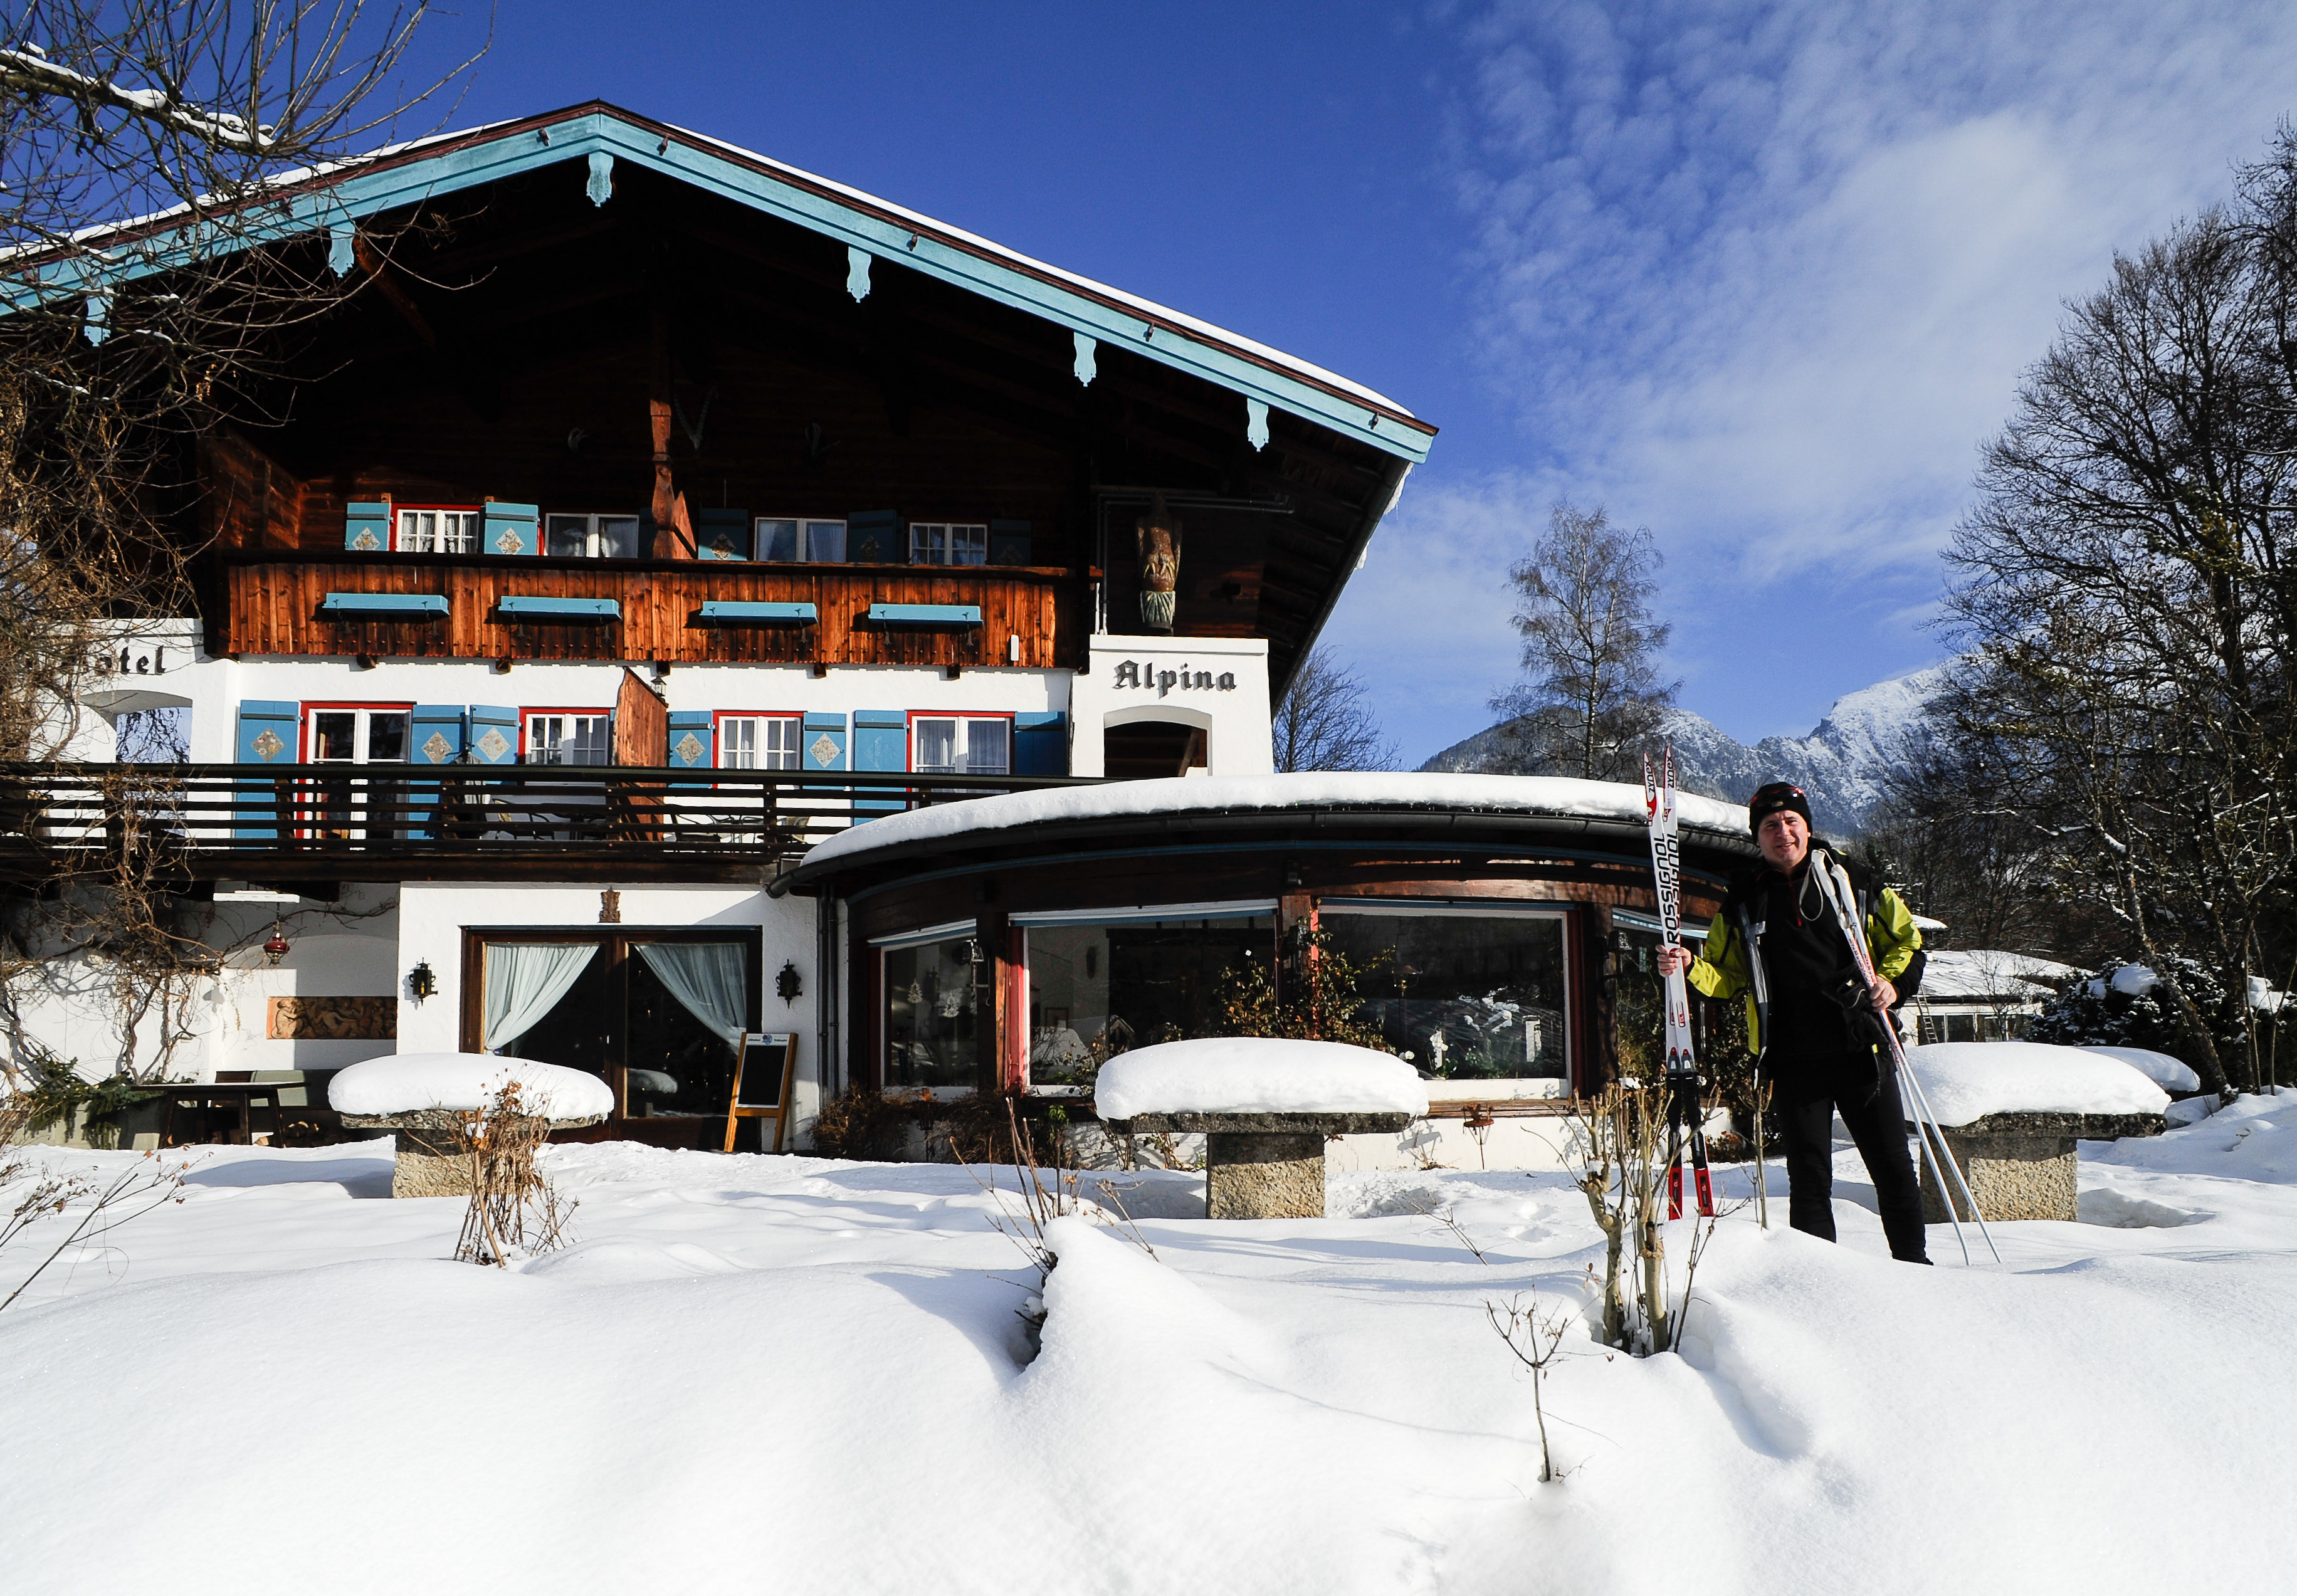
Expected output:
(1133, 673)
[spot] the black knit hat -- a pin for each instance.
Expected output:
(1772, 797)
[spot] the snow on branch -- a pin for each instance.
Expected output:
(27, 70)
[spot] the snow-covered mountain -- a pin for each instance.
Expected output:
(1843, 764)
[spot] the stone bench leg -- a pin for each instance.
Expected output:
(1263, 1176)
(2012, 1177)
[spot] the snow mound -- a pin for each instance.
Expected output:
(410, 1082)
(2168, 1074)
(1966, 1081)
(1257, 1074)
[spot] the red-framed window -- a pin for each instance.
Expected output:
(960, 742)
(355, 732)
(560, 735)
(758, 739)
(437, 529)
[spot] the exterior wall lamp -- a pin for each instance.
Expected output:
(275, 949)
(420, 982)
(789, 983)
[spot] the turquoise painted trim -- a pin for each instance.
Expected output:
(1087, 366)
(857, 273)
(723, 610)
(343, 246)
(395, 604)
(1255, 424)
(560, 609)
(388, 185)
(600, 188)
(925, 615)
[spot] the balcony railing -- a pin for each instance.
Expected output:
(450, 822)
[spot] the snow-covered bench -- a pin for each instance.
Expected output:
(1265, 1107)
(421, 1097)
(2013, 1112)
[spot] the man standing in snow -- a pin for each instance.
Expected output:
(1782, 944)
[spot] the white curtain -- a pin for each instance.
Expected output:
(524, 981)
(710, 978)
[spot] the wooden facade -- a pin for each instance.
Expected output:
(273, 605)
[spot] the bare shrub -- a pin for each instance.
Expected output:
(514, 1209)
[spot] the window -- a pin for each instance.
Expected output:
(358, 736)
(1469, 995)
(558, 737)
(950, 745)
(1098, 987)
(353, 807)
(933, 1002)
(438, 532)
(757, 742)
(591, 536)
(791, 539)
(949, 543)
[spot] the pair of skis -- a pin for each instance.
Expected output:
(1685, 1111)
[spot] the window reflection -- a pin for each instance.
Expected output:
(1469, 996)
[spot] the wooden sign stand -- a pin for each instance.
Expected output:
(782, 1081)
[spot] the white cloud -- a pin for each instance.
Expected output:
(1763, 277)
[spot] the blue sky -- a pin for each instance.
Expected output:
(1759, 277)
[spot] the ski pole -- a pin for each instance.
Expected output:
(1928, 1119)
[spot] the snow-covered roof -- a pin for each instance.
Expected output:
(333, 198)
(1955, 975)
(1556, 796)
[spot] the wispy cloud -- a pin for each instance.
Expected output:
(1763, 277)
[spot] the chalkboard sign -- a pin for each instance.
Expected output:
(765, 1072)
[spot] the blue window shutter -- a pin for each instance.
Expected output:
(876, 538)
(722, 534)
(434, 738)
(881, 742)
(823, 742)
(493, 738)
(1040, 744)
(366, 527)
(268, 735)
(511, 530)
(435, 735)
(693, 739)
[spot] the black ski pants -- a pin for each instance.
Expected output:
(1808, 1093)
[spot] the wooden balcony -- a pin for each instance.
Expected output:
(276, 602)
(182, 824)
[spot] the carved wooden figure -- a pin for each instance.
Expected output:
(1159, 533)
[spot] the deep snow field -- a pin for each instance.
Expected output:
(793, 1375)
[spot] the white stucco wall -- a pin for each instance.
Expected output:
(432, 917)
(1166, 681)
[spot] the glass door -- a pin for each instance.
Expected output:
(355, 808)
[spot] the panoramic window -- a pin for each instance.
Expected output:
(591, 536)
(949, 543)
(1101, 985)
(1469, 995)
(438, 532)
(958, 746)
(561, 738)
(933, 1025)
(757, 742)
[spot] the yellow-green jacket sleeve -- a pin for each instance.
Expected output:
(1721, 970)
(1891, 934)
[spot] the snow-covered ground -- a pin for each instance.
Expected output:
(785, 1374)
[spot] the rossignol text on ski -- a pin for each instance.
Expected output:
(1686, 1113)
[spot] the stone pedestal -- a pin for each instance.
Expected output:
(1263, 1166)
(430, 1161)
(2022, 1165)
